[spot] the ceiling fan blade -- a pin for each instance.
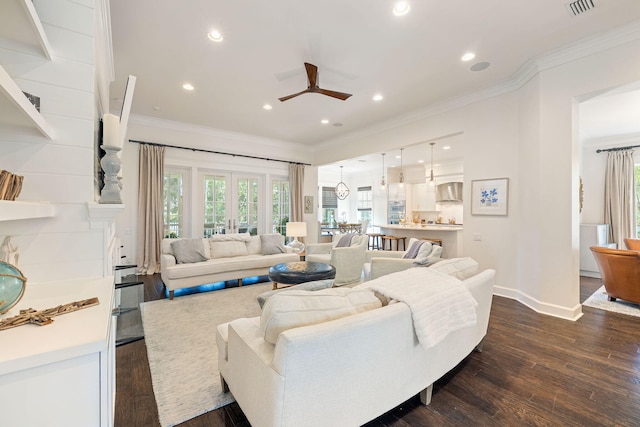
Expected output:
(284, 98)
(312, 74)
(339, 95)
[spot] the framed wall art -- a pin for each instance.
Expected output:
(308, 204)
(490, 196)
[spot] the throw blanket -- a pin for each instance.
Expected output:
(440, 304)
(345, 241)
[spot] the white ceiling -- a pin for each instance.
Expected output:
(359, 46)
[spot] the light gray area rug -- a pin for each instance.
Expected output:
(599, 300)
(180, 336)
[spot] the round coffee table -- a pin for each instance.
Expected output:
(294, 273)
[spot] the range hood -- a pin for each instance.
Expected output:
(449, 192)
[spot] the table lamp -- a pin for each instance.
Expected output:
(295, 230)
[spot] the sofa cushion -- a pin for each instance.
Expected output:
(297, 308)
(461, 268)
(254, 247)
(272, 244)
(239, 237)
(188, 251)
(227, 249)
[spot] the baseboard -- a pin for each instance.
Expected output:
(561, 312)
(593, 274)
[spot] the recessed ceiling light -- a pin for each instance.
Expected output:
(156, 108)
(397, 157)
(401, 8)
(446, 147)
(187, 86)
(378, 97)
(324, 121)
(420, 161)
(267, 107)
(468, 56)
(215, 36)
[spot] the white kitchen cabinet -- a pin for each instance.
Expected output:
(423, 198)
(62, 374)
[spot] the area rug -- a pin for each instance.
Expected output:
(180, 336)
(599, 300)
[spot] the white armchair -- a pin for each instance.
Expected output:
(348, 261)
(381, 263)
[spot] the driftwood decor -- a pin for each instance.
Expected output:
(44, 317)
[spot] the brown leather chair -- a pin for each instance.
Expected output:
(620, 270)
(632, 244)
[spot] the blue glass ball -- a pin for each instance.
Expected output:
(12, 286)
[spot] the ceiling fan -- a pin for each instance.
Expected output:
(312, 76)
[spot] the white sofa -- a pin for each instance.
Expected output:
(343, 372)
(348, 261)
(380, 263)
(220, 257)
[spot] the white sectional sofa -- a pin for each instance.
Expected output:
(192, 262)
(350, 370)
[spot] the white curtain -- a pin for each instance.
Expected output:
(619, 196)
(150, 208)
(296, 190)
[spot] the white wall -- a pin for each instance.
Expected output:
(60, 170)
(529, 136)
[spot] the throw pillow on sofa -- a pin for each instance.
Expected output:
(272, 244)
(296, 308)
(418, 249)
(187, 251)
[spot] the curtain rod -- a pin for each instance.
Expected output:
(219, 152)
(600, 150)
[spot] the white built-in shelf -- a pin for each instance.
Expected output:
(16, 109)
(12, 210)
(19, 23)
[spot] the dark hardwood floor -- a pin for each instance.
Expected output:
(535, 370)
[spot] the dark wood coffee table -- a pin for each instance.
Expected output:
(293, 273)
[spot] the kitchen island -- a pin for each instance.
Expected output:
(450, 235)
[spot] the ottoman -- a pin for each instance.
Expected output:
(293, 273)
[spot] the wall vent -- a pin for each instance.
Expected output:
(579, 7)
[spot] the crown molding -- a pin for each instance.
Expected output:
(612, 141)
(217, 133)
(529, 70)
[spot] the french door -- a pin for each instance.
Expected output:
(231, 203)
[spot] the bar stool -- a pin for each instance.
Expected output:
(375, 241)
(392, 239)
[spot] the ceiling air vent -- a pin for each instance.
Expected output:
(579, 7)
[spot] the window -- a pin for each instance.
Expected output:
(329, 205)
(365, 203)
(215, 204)
(280, 214)
(173, 204)
(637, 181)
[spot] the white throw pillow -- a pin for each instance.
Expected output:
(227, 249)
(425, 248)
(460, 268)
(293, 309)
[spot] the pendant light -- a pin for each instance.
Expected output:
(342, 191)
(431, 181)
(382, 183)
(401, 174)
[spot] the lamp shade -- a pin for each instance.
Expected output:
(296, 229)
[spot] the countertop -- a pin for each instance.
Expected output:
(427, 227)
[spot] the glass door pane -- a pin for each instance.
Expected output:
(216, 208)
(247, 196)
